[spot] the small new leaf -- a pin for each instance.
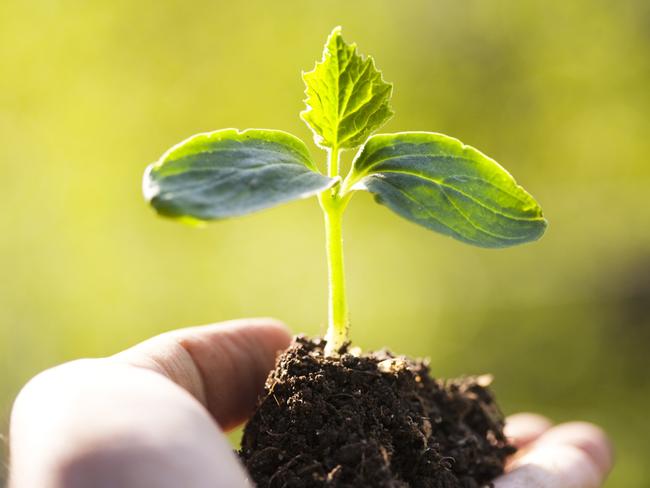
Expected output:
(347, 98)
(227, 173)
(446, 186)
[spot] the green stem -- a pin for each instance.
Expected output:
(333, 162)
(333, 206)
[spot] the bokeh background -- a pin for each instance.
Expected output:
(559, 92)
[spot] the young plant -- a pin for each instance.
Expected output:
(428, 178)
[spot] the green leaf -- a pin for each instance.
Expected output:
(446, 186)
(347, 98)
(227, 173)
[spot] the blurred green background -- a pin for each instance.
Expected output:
(559, 92)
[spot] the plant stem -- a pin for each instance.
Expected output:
(333, 162)
(333, 206)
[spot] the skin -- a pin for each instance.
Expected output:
(155, 416)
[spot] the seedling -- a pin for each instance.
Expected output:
(425, 177)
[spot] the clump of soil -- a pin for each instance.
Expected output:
(374, 420)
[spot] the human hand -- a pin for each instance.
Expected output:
(570, 455)
(154, 416)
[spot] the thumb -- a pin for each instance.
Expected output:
(223, 365)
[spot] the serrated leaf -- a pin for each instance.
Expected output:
(347, 98)
(227, 173)
(446, 186)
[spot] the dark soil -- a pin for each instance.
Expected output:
(373, 420)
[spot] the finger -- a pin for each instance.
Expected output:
(223, 365)
(586, 437)
(558, 459)
(523, 428)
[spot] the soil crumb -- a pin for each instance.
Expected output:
(372, 420)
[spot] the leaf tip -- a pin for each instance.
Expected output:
(543, 225)
(149, 187)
